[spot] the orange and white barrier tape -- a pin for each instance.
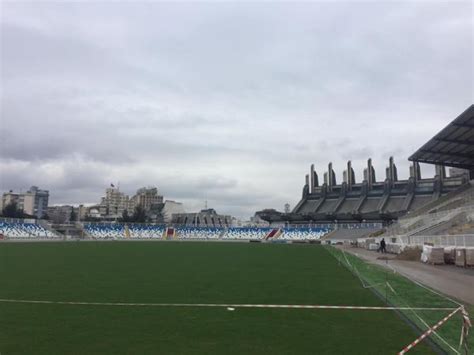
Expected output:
(466, 321)
(466, 325)
(428, 332)
(234, 305)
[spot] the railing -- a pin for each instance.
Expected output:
(19, 228)
(18, 220)
(330, 226)
(420, 223)
(437, 215)
(363, 225)
(442, 200)
(462, 240)
(374, 225)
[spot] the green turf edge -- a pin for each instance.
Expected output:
(419, 297)
(273, 328)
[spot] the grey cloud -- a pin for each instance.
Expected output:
(226, 102)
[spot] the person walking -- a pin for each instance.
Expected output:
(382, 246)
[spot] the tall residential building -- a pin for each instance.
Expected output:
(114, 203)
(36, 202)
(147, 198)
(33, 202)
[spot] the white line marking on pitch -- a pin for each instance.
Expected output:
(235, 305)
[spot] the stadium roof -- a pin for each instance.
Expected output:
(453, 146)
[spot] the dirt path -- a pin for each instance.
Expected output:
(448, 279)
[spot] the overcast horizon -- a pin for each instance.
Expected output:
(223, 102)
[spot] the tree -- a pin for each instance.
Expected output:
(12, 211)
(139, 215)
(72, 216)
(125, 217)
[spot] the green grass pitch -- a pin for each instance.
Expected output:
(177, 272)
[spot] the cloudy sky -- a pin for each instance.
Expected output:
(224, 102)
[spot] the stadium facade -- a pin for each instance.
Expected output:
(205, 218)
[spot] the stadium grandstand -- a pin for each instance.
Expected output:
(160, 232)
(12, 229)
(388, 200)
(370, 200)
(449, 219)
(25, 229)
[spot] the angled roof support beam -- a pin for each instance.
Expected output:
(457, 141)
(456, 155)
(441, 162)
(460, 124)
